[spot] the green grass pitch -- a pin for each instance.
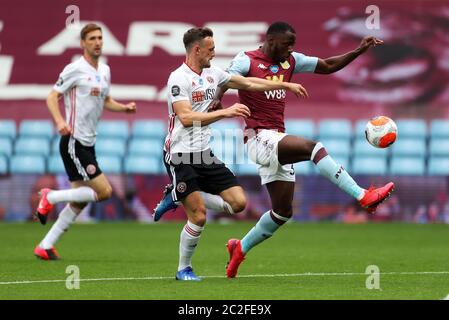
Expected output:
(301, 261)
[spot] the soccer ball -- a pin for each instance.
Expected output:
(381, 132)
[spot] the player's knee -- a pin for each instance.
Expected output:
(105, 193)
(199, 215)
(78, 206)
(238, 205)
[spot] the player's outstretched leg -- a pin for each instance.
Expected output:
(368, 199)
(166, 204)
(211, 201)
(50, 197)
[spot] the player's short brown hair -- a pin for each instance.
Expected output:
(89, 28)
(196, 34)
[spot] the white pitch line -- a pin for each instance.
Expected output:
(306, 274)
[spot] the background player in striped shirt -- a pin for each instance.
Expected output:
(85, 86)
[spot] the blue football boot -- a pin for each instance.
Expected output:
(187, 274)
(166, 204)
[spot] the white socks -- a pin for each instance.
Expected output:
(65, 219)
(216, 203)
(190, 235)
(81, 194)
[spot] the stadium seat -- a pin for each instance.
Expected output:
(110, 164)
(55, 164)
(27, 164)
(226, 125)
(113, 129)
(247, 169)
(5, 146)
(225, 149)
(359, 129)
(36, 129)
(439, 147)
(55, 145)
(439, 128)
(369, 166)
(411, 128)
(149, 129)
(145, 147)
(336, 147)
(363, 148)
(335, 129)
(300, 127)
(438, 166)
(409, 147)
(3, 165)
(305, 168)
(32, 146)
(110, 147)
(143, 165)
(409, 166)
(8, 129)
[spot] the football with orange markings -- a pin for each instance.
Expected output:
(381, 132)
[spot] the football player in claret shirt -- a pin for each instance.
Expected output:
(275, 151)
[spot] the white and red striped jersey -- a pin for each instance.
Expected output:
(184, 84)
(85, 89)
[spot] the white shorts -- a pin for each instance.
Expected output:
(263, 150)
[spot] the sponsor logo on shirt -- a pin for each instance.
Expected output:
(200, 95)
(274, 68)
(210, 79)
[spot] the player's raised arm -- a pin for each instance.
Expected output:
(257, 84)
(333, 64)
(187, 116)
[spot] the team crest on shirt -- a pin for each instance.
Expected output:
(91, 169)
(181, 187)
(210, 79)
(285, 65)
(60, 82)
(274, 68)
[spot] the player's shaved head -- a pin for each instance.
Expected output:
(194, 35)
(279, 27)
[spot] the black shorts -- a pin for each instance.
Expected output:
(200, 171)
(79, 161)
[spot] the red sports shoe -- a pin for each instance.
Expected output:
(44, 206)
(236, 257)
(46, 254)
(373, 197)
